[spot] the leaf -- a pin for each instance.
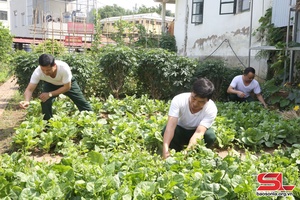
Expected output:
(96, 158)
(144, 190)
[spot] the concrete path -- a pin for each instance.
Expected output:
(7, 91)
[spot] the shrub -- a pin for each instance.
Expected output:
(162, 74)
(219, 74)
(117, 64)
(168, 42)
(25, 63)
(53, 47)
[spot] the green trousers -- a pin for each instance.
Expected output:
(75, 94)
(234, 97)
(182, 137)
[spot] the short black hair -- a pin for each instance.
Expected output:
(203, 88)
(248, 70)
(46, 60)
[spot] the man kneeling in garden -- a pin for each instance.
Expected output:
(58, 79)
(190, 117)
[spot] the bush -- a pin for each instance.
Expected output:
(162, 74)
(168, 42)
(6, 44)
(219, 74)
(25, 63)
(81, 66)
(117, 65)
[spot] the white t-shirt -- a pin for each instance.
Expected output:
(63, 75)
(238, 84)
(180, 108)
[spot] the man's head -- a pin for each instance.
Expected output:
(47, 64)
(46, 60)
(249, 74)
(202, 91)
(203, 88)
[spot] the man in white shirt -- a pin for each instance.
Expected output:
(190, 118)
(58, 79)
(241, 87)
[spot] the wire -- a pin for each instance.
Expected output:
(226, 40)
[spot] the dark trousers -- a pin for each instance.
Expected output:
(75, 94)
(234, 97)
(182, 137)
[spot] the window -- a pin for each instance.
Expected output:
(197, 11)
(243, 5)
(234, 6)
(3, 15)
(227, 7)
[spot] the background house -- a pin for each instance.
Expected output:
(224, 29)
(4, 12)
(68, 21)
(152, 22)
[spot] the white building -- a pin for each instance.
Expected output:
(32, 21)
(4, 12)
(224, 29)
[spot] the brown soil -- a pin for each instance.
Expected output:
(9, 119)
(10, 114)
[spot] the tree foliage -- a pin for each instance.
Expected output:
(112, 11)
(6, 43)
(115, 11)
(117, 64)
(53, 47)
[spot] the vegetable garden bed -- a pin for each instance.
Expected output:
(114, 153)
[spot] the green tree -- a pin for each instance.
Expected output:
(6, 44)
(146, 40)
(112, 11)
(124, 29)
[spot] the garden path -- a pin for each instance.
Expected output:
(7, 91)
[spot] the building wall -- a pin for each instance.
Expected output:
(4, 7)
(219, 35)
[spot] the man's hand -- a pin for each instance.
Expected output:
(44, 96)
(194, 139)
(241, 94)
(24, 104)
(165, 153)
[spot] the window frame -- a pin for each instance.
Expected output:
(226, 2)
(241, 4)
(197, 11)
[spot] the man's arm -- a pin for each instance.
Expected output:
(168, 135)
(27, 95)
(261, 99)
(45, 96)
(231, 90)
(198, 135)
